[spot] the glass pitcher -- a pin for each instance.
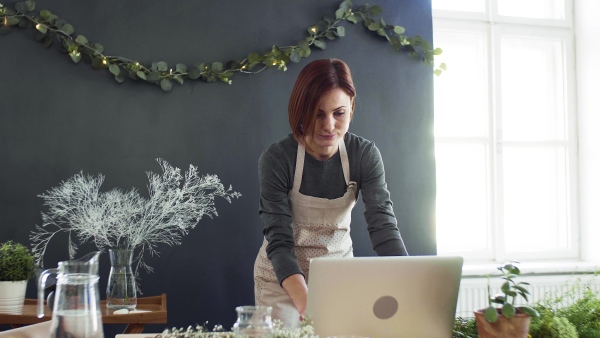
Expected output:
(76, 311)
(253, 322)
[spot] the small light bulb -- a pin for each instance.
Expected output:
(38, 26)
(104, 61)
(313, 29)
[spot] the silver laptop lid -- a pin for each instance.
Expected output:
(380, 297)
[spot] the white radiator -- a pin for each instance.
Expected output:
(473, 292)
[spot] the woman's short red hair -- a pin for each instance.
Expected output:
(316, 79)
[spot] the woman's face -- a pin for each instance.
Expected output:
(332, 122)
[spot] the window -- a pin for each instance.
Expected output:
(505, 130)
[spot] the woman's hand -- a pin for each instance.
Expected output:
(296, 289)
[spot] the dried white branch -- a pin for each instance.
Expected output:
(125, 219)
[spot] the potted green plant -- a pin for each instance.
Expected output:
(502, 319)
(16, 267)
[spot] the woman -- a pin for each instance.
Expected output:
(309, 183)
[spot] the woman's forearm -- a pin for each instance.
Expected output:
(296, 288)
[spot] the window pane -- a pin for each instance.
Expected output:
(535, 202)
(461, 93)
(461, 204)
(509, 63)
(532, 89)
(459, 5)
(535, 9)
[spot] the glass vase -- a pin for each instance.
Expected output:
(121, 292)
(253, 322)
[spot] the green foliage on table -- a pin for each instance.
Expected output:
(580, 319)
(550, 325)
(464, 328)
(510, 291)
(16, 262)
(50, 28)
(584, 315)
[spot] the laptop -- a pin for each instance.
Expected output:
(381, 297)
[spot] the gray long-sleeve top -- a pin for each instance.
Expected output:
(323, 179)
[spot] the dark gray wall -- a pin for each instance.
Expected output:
(58, 118)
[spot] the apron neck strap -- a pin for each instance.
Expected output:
(300, 163)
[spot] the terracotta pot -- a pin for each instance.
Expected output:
(515, 327)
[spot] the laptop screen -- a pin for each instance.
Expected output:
(379, 297)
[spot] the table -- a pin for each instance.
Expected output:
(156, 305)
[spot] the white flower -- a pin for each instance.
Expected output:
(279, 331)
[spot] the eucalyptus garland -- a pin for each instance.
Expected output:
(50, 28)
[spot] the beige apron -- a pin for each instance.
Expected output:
(321, 229)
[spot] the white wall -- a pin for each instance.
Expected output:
(587, 25)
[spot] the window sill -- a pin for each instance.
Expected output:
(474, 269)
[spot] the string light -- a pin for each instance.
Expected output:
(5, 21)
(313, 29)
(104, 61)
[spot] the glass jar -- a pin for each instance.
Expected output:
(253, 322)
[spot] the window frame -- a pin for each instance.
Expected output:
(570, 139)
(494, 25)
